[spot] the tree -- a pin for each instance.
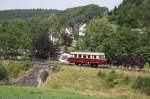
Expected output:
(122, 42)
(43, 47)
(3, 73)
(144, 48)
(97, 31)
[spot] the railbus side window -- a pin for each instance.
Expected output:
(94, 56)
(79, 56)
(89, 56)
(84, 56)
(75, 56)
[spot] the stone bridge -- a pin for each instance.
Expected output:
(36, 76)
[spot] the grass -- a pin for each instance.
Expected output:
(72, 82)
(86, 81)
(11, 92)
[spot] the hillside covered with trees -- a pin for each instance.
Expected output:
(123, 35)
(9, 15)
(36, 37)
(133, 13)
(24, 31)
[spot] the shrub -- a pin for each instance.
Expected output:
(110, 79)
(15, 68)
(26, 65)
(142, 84)
(147, 66)
(130, 60)
(126, 80)
(3, 73)
(101, 74)
(56, 67)
(113, 78)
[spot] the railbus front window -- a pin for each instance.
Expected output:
(97, 57)
(102, 57)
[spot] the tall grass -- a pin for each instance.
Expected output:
(97, 82)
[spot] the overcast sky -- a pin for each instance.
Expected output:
(54, 4)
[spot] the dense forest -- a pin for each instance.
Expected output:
(123, 33)
(133, 13)
(9, 15)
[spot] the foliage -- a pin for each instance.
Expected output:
(113, 78)
(130, 60)
(3, 73)
(56, 67)
(142, 84)
(97, 31)
(147, 66)
(122, 42)
(132, 13)
(101, 74)
(87, 81)
(9, 15)
(28, 31)
(144, 49)
(84, 14)
(102, 36)
(16, 68)
(43, 47)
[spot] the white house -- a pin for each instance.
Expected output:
(82, 29)
(69, 31)
(53, 39)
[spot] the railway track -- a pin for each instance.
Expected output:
(116, 68)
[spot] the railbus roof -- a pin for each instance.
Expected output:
(87, 53)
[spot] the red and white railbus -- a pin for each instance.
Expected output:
(90, 58)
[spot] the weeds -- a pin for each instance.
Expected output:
(56, 67)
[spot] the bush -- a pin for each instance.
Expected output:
(142, 84)
(26, 65)
(56, 67)
(15, 68)
(3, 73)
(112, 78)
(101, 74)
(147, 66)
(130, 60)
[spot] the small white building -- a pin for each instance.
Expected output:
(69, 31)
(53, 39)
(82, 29)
